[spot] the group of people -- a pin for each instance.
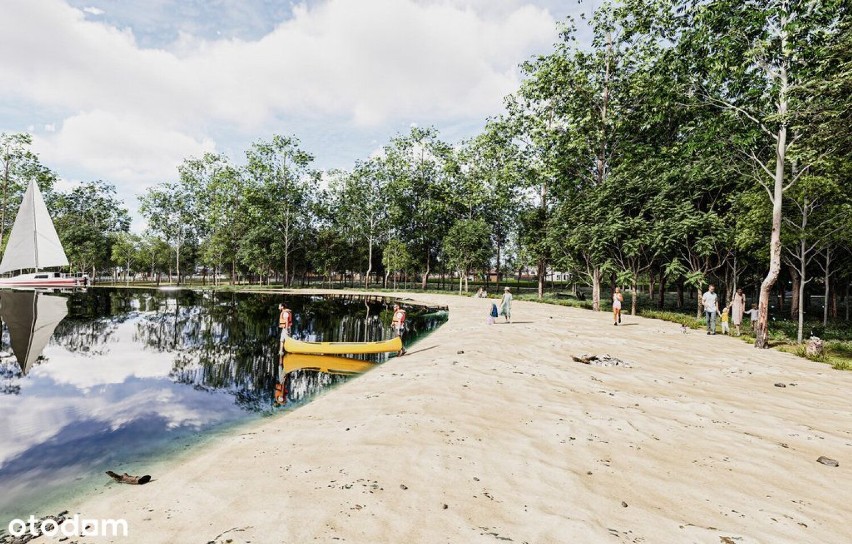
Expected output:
(285, 323)
(733, 312)
(505, 308)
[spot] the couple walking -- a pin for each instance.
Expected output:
(733, 311)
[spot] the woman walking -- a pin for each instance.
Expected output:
(617, 299)
(506, 305)
(738, 309)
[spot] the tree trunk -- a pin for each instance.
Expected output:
(699, 306)
(795, 299)
(826, 279)
(661, 303)
(542, 270)
(596, 288)
(651, 284)
(497, 286)
(801, 312)
(762, 332)
(369, 264)
(680, 294)
(833, 297)
(428, 269)
(633, 292)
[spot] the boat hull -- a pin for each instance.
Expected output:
(48, 279)
(340, 348)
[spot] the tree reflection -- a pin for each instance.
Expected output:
(227, 342)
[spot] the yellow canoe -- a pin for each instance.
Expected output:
(325, 363)
(341, 348)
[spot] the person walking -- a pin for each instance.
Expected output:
(726, 329)
(738, 305)
(506, 305)
(711, 308)
(617, 299)
(398, 325)
(752, 315)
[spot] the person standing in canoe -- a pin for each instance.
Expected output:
(398, 325)
(285, 320)
(506, 305)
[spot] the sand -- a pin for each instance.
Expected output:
(492, 433)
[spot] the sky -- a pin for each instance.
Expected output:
(124, 90)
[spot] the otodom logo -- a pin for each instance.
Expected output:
(68, 527)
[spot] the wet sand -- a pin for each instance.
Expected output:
(494, 434)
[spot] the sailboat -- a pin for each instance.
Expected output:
(31, 318)
(34, 244)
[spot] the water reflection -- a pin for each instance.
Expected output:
(130, 374)
(30, 317)
(301, 376)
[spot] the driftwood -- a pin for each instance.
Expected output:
(128, 479)
(599, 360)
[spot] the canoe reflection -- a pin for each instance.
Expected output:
(31, 317)
(302, 375)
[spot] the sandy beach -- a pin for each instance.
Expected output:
(492, 433)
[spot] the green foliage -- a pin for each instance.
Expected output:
(86, 218)
(467, 246)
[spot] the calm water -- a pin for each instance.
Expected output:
(111, 379)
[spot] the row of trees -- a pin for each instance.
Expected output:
(690, 142)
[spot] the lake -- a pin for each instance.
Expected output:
(113, 379)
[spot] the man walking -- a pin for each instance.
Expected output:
(711, 308)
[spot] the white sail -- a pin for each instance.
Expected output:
(33, 242)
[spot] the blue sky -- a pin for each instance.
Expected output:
(124, 90)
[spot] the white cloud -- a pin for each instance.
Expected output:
(132, 113)
(126, 148)
(91, 10)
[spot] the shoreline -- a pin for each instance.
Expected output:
(491, 432)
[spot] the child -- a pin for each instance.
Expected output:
(683, 328)
(725, 314)
(492, 315)
(752, 315)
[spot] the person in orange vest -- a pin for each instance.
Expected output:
(285, 320)
(398, 324)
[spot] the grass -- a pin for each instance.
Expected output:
(837, 353)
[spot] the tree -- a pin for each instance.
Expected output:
(752, 59)
(493, 174)
(171, 211)
(125, 250)
(395, 259)
(18, 165)
(85, 218)
(467, 246)
(218, 188)
(279, 202)
(421, 170)
(361, 205)
(568, 115)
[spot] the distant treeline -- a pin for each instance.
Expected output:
(692, 142)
